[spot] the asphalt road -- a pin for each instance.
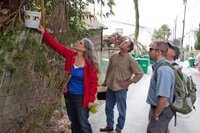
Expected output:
(137, 109)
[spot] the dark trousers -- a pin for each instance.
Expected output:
(77, 115)
(162, 124)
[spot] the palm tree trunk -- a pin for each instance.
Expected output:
(137, 21)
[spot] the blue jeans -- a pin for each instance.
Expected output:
(77, 115)
(113, 97)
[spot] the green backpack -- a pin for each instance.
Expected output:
(184, 91)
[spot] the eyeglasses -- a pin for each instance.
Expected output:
(154, 49)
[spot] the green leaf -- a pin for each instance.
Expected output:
(28, 52)
(34, 126)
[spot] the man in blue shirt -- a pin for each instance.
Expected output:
(161, 91)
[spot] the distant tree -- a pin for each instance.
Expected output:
(158, 34)
(197, 44)
(162, 33)
(167, 31)
(178, 42)
(187, 47)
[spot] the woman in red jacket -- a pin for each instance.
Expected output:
(80, 92)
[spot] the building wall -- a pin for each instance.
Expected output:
(96, 40)
(190, 39)
(145, 33)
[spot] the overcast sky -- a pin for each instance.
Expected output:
(154, 13)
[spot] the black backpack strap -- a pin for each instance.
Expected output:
(175, 119)
(174, 64)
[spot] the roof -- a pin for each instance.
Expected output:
(94, 24)
(127, 23)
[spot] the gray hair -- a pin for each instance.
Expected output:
(90, 55)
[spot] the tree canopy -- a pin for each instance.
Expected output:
(167, 31)
(13, 14)
(197, 44)
(178, 42)
(162, 33)
(158, 34)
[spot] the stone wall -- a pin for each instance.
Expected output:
(28, 96)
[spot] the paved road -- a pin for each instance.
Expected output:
(137, 111)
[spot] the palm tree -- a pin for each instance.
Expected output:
(139, 46)
(158, 34)
(137, 21)
(166, 32)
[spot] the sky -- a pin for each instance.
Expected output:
(155, 13)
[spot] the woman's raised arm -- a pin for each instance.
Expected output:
(59, 48)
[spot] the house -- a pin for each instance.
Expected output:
(128, 29)
(97, 29)
(190, 38)
(98, 33)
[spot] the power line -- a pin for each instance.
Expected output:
(193, 6)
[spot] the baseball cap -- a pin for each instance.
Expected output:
(176, 50)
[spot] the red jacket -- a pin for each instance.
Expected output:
(90, 75)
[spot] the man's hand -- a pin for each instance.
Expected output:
(156, 118)
(125, 83)
(90, 104)
(162, 101)
(41, 29)
(104, 83)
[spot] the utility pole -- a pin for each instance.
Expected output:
(175, 29)
(183, 30)
(93, 2)
(101, 13)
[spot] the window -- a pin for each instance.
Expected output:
(119, 31)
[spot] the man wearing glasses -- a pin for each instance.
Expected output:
(160, 92)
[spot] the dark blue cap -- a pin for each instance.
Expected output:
(176, 50)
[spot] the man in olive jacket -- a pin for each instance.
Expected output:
(119, 74)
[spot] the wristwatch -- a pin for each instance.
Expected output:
(155, 115)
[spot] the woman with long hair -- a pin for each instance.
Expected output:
(83, 66)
